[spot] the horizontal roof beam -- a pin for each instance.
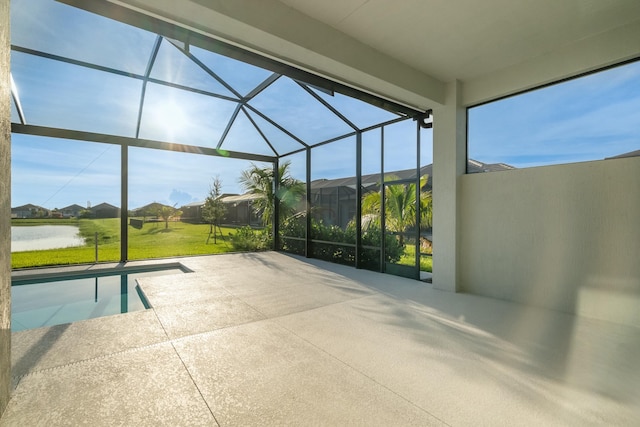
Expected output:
(134, 142)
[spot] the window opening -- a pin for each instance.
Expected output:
(591, 117)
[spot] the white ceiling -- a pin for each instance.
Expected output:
(464, 39)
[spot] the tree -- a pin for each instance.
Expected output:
(168, 212)
(260, 181)
(213, 210)
(400, 206)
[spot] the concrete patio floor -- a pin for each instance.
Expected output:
(273, 339)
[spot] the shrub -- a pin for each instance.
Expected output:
(247, 239)
(293, 226)
(337, 251)
(372, 236)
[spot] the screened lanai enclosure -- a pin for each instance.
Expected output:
(117, 116)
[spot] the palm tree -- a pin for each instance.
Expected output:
(400, 206)
(259, 181)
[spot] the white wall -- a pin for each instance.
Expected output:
(564, 237)
(449, 164)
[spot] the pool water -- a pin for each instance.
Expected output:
(59, 301)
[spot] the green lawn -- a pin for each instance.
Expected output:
(409, 258)
(180, 238)
(152, 241)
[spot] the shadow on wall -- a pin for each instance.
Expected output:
(592, 355)
(567, 238)
(5, 374)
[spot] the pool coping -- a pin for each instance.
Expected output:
(20, 277)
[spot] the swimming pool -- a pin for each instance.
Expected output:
(54, 300)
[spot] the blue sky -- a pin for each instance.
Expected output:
(588, 118)
(56, 173)
(584, 119)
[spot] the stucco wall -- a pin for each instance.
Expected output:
(5, 209)
(564, 237)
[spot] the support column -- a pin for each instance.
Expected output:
(124, 203)
(275, 221)
(449, 163)
(307, 246)
(5, 209)
(358, 200)
(383, 208)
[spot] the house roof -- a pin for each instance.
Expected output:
(374, 179)
(369, 179)
(28, 206)
(72, 207)
(629, 154)
(240, 198)
(103, 205)
(152, 205)
(474, 166)
(193, 204)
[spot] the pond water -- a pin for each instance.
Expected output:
(41, 237)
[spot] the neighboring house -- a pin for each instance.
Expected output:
(333, 201)
(149, 210)
(105, 210)
(192, 212)
(240, 210)
(71, 211)
(29, 211)
(474, 166)
(629, 154)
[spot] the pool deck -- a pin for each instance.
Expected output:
(272, 339)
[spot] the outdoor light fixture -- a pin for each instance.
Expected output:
(422, 119)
